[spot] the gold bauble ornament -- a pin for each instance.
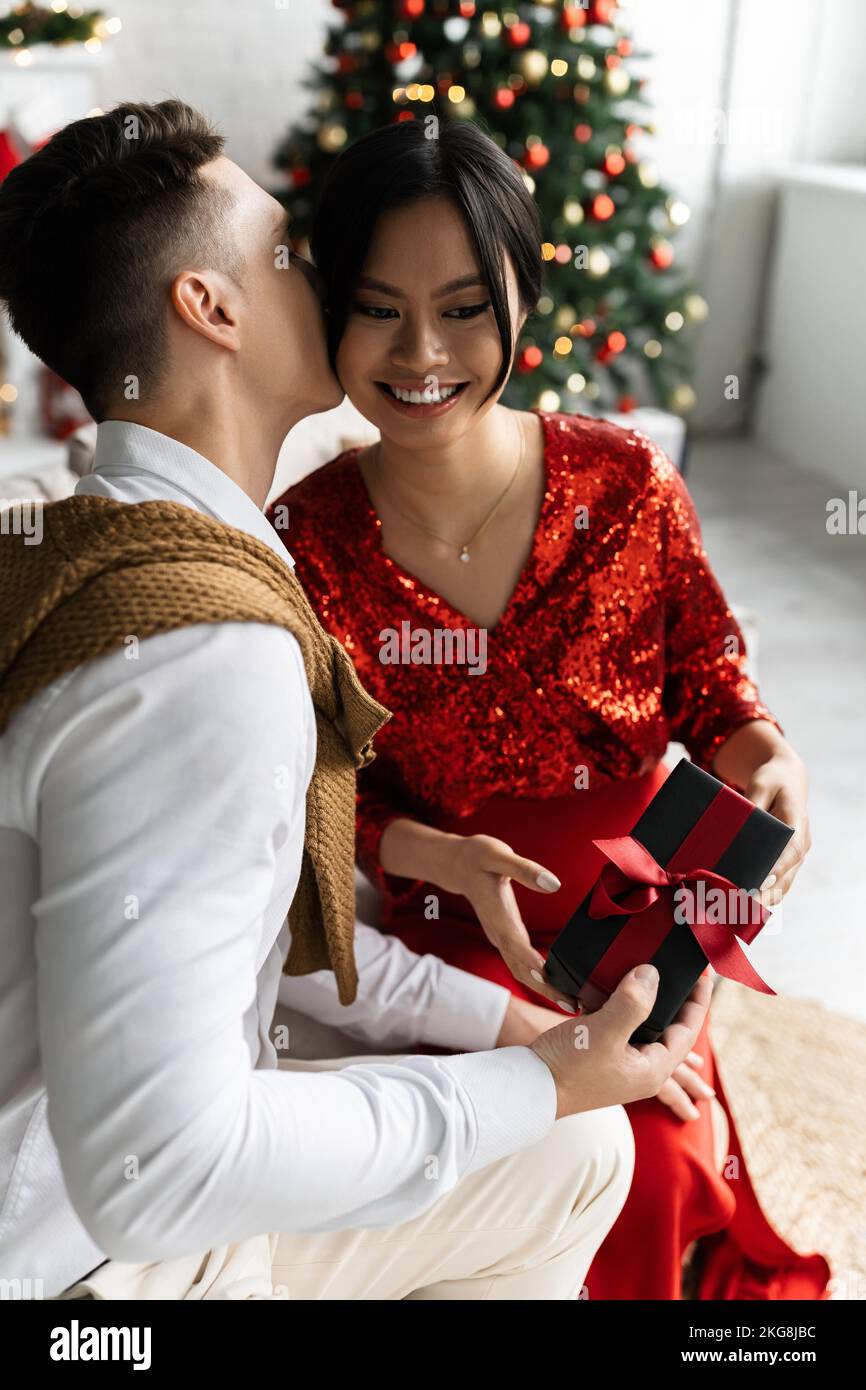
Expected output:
(696, 308)
(534, 65)
(331, 137)
(617, 81)
(682, 398)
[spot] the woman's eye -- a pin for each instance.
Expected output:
(375, 311)
(468, 311)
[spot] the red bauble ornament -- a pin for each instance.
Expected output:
(397, 52)
(301, 176)
(530, 359)
(603, 354)
(614, 164)
(573, 17)
(662, 255)
(467, 9)
(503, 97)
(536, 157)
(602, 11)
(410, 9)
(582, 133)
(347, 62)
(603, 207)
(626, 404)
(616, 341)
(518, 35)
(354, 100)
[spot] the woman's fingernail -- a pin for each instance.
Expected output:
(566, 1008)
(768, 882)
(549, 882)
(536, 976)
(694, 1112)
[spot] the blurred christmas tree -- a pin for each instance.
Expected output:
(550, 81)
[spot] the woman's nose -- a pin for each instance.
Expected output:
(419, 347)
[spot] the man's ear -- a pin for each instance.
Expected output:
(208, 303)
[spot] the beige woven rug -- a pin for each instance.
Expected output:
(795, 1077)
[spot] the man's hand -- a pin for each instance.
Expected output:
(594, 1065)
(684, 1087)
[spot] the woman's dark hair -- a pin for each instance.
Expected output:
(400, 164)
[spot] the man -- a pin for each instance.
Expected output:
(152, 829)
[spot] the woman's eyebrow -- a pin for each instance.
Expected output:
(463, 282)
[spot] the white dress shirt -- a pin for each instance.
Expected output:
(151, 832)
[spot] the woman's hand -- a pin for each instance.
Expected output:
(482, 869)
(684, 1086)
(524, 1022)
(760, 760)
(779, 786)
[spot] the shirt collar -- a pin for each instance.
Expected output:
(156, 465)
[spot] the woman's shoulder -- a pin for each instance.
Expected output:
(578, 444)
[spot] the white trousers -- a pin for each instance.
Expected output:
(524, 1227)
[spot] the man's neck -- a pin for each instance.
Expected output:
(235, 440)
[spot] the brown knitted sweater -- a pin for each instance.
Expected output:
(106, 570)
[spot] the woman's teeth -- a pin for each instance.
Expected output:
(429, 396)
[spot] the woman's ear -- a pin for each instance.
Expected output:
(207, 302)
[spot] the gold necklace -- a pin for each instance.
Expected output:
(463, 550)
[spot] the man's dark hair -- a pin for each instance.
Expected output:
(93, 229)
(399, 164)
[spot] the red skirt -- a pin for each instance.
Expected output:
(677, 1195)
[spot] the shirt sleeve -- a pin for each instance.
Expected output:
(708, 693)
(403, 999)
(163, 790)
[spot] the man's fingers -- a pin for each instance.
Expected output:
(631, 1002)
(674, 1097)
(676, 1041)
(692, 1084)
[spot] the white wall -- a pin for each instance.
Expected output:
(813, 406)
(240, 61)
(788, 77)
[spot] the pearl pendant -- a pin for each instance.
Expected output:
(464, 555)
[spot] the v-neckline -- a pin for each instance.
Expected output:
(401, 573)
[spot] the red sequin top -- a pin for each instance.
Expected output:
(616, 639)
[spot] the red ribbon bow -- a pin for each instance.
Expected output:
(633, 881)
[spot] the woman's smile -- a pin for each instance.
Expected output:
(422, 400)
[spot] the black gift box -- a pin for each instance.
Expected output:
(689, 796)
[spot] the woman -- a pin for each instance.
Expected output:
(528, 593)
